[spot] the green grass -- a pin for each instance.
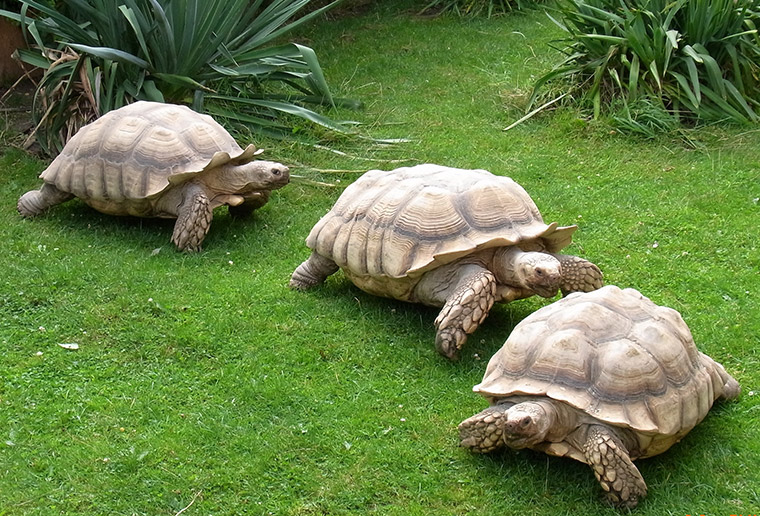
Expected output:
(204, 379)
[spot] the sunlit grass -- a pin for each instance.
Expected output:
(204, 379)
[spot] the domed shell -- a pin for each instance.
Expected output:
(137, 151)
(613, 354)
(410, 220)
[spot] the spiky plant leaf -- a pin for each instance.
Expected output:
(699, 58)
(175, 50)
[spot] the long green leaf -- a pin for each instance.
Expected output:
(286, 107)
(713, 70)
(633, 78)
(724, 106)
(738, 99)
(129, 14)
(33, 58)
(693, 96)
(691, 67)
(183, 81)
(112, 54)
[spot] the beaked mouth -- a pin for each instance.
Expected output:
(546, 292)
(517, 443)
(278, 181)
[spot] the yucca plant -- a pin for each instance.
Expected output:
(698, 59)
(486, 8)
(216, 55)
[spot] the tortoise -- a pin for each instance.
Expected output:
(603, 377)
(150, 159)
(445, 237)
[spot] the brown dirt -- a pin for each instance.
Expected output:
(16, 122)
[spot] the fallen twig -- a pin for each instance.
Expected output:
(535, 111)
(188, 505)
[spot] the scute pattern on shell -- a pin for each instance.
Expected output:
(413, 219)
(132, 152)
(613, 354)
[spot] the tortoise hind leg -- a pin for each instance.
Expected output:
(579, 275)
(35, 202)
(313, 271)
(613, 468)
(726, 387)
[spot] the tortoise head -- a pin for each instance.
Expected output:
(526, 424)
(534, 270)
(542, 273)
(517, 425)
(247, 178)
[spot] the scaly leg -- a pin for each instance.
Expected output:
(482, 433)
(193, 220)
(467, 293)
(313, 271)
(579, 275)
(613, 467)
(35, 202)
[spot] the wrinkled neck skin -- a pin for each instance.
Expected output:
(540, 424)
(506, 266)
(537, 271)
(246, 179)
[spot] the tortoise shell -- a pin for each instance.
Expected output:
(137, 152)
(404, 222)
(615, 355)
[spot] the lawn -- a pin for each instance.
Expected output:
(203, 385)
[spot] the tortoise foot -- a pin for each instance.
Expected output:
(35, 202)
(579, 275)
(482, 433)
(464, 310)
(313, 271)
(613, 468)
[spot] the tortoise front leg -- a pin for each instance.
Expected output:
(467, 293)
(483, 432)
(578, 275)
(35, 202)
(613, 467)
(193, 219)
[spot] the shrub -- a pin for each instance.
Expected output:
(107, 54)
(477, 7)
(697, 59)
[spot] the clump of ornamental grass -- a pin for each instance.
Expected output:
(224, 57)
(698, 60)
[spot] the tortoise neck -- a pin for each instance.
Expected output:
(506, 261)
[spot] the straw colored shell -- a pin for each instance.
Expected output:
(614, 355)
(137, 152)
(410, 220)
